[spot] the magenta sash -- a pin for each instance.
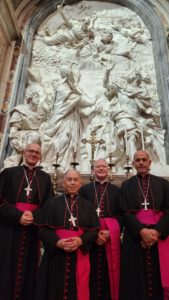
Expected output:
(26, 206)
(113, 253)
(152, 217)
(82, 265)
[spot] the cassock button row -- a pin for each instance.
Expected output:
(18, 287)
(99, 262)
(67, 268)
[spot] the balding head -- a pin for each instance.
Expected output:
(72, 181)
(142, 162)
(32, 154)
(141, 152)
(101, 169)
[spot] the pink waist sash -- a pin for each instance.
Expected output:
(26, 206)
(82, 265)
(152, 217)
(148, 216)
(113, 253)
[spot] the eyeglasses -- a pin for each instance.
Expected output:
(31, 151)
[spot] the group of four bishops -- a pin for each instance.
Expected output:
(84, 256)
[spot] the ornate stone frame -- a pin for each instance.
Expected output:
(149, 16)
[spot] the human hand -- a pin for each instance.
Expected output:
(69, 244)
(26, 218)
(149, 236)
(103, 237)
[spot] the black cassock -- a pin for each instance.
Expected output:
(109, 196)
(140, 271)
(19, 250)
(57, 274)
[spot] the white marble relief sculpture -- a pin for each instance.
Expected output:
(26, 120)
(95, 64)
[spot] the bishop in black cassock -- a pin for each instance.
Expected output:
(105, 253)
(145, 247)
(22, 190)
(68, 227)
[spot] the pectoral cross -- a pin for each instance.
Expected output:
(28, 190)
(145, 203)
(72, 220)
(98, 211)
